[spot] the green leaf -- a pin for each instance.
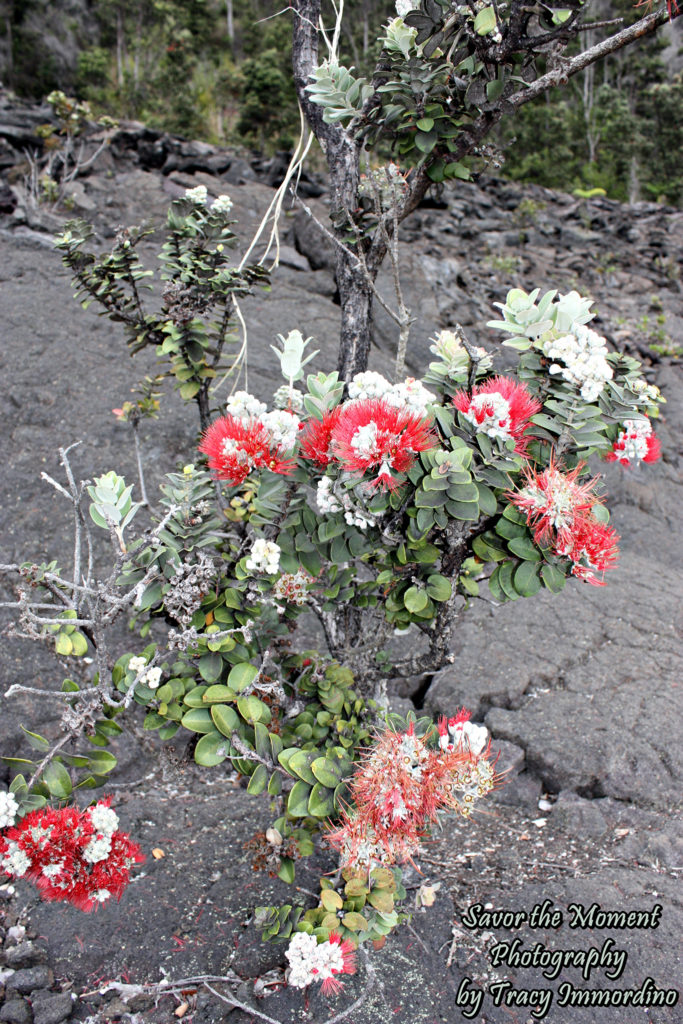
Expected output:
(300, 764)
(525, 548)
(355, 922)
(321, 802)
(210, 667)
(217, 694)
(526, 580)
(211, 750)
(102, 762)
(297, 802)
(425, 124)
(57, 780)
(505, 572)
(485, 21)
(254, 710)
(494, 89)
(438, 587)
(325, 772)
(198, 720)
(415, 600)
(63, 644)
(241, 676)
(287, 870)
(553, 578)
(258, 781)
(79, 644)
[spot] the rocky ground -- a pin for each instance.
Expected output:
(581, 691)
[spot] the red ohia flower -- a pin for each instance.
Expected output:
(554, 502)
(316, 438)
(593, 548)
(637, 442)
(236, 447)
(501, 408)
(371, 434)
(342, 960)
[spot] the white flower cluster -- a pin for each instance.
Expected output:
(490, 414)
(151, 678)
(364, 441)
(221, 205)
(292, 587)
(288, 398)
(244, 406)
(197, 195)
(582, 360)
(264, 557)
(328, 503)
(8, 809)
(325, 497)
(634, 437)
(311, 961)
(404, 7)
(369, 385)
(284, 427)
(105, 822)
(15, 861)
(410, 393)
(465, 736)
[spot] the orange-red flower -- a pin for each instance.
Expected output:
(501, 407)
(236, 447)
(316, 438)
(371, 434)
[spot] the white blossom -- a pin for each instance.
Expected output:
(137, 665)
(364, 441)
(8, 809)
(284, 427)
(152, 677)
(325, 497)
(97, 849)
(52, 870)
(103, 819)
(222, 205)
(582, 360)
(495, 421)
(101, 895)
(15, 861)
(404, 7)
(633, 437)
(264, 557)
(293, 587)
(369, 385)
(244, 406)
(412, 394)
(197, 195)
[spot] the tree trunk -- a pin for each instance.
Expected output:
(356, 327)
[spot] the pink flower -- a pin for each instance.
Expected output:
(593, 549)
(316, 438)
(637, 442)
(561, 512)
(73, 856)
(342, 960)
(501, 408)
(236, 447)
(554, 502)
(373, 435)
(401, 784)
